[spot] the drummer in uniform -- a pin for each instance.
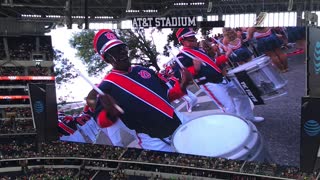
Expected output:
(208, 75)
(241, 53)
(144, 98)
(269, 43)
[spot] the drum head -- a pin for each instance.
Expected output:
(250, 65)
(213, 135)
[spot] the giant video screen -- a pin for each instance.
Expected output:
(243, 103)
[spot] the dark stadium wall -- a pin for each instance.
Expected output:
(44, 109)
(51, 128)
(37, 99)
(310, 117)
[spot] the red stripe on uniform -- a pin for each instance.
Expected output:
(80, 121)
(219, 104)
(202, 57)
(188, 105)
(141, 92)
(139, 141)
(66, 128)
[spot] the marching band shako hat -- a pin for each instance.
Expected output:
(184, 32)
(104, 40)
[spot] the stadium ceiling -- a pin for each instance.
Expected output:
(102, 10)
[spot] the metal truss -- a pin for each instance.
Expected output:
(116, 10)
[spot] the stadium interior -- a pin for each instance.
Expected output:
(27, 94)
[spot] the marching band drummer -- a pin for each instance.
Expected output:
(144, 98)
(210, 78)
(233, 43)
(270, 44)
(168, 76)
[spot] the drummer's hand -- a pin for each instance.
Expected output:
(279, 35)
(91, 102)
(228, 53)
(109, 104)
(186, 78)
(197, 65)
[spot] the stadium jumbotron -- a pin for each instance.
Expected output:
(266, 53)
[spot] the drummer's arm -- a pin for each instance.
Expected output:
(250, 34)
(177, 91)
(221, 60)
(180, 88)
(195, 68)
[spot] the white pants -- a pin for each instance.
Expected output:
(119, 134)
(147, 142)
(191, 100)
(229, 99)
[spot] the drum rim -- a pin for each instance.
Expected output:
(250, 69)
(183, 125)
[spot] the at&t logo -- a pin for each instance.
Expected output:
(312, 128)
(316, 60)
(38, 107)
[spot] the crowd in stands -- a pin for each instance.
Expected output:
(20, 71)
(63, 149)
(13, 92)
(21, 112)
(12, 71)
(17, 126)
(9, 102)
(23, 82)
(50, 173)
(145, 160)
(42, 173)
(21, 48)
(18, 147)
(85, 174)
(39, 71)
(46, 47)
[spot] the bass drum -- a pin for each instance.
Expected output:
(220, 135)
(267, 79)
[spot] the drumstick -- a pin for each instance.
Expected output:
(180, 64)
(224, 46)
(96, 88)
(176, 59)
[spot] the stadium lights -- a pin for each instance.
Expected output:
(132, 11)
(180, 4)
(103, 17)
(77, 17)
(53, 16)
(150, 10)
(30, 16)
(197, 3)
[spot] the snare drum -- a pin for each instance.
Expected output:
(267, 79)
(220, 135)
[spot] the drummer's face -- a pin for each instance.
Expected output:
(190, 42)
